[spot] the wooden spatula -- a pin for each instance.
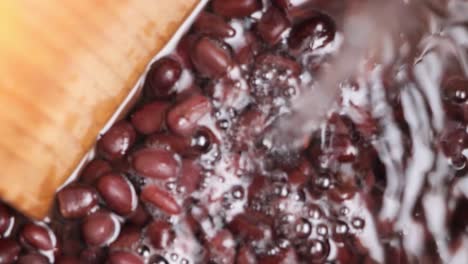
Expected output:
(65, 67)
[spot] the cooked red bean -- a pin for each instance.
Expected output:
(5, 219)
(99, 228)
(235, 8)
(140, 217)
(122, 257)
(169, 141)
(129, 239)
(150, 118)
(95, 169)
(76, 201)
(246, 226)
(37, 236)
(298, 11)
(272, 25)
(93, 255)
(33, 258)
(184, 117)
(190, 175)
(68, 260)
(118, 193)
(245, 256)
(312, 34)
(156, 163)
(116, 142)
(161, 199)
(213, 25)
(162, 77)
(160, 234)
(210, 58)
(9, 250)
(222, 247)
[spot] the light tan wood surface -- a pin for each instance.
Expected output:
(65, 67)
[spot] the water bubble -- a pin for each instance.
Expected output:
(171, 185)
(238, 192)
(322, 230)
(344, 211)
(303, 228)
(174, 257)
(315, 212)
(341, 228)
(281, 190)
(144, 251)
(323, 182)
(158, 260)
(358, 223)
(184, 261)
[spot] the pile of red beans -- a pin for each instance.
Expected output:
(188, 176)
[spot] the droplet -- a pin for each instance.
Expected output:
(303, 228)
(315, 212)
(322, 230)
(358, 223)
(144, 251)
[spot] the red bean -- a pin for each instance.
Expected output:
(184, 117)
(213, 25)
(122, 257)
(99, 229)
(76, 201)
(118, 193)
(156, 163)
(298, 11)
(160, 234)
(272, 25)
(162, 77)
(312, 34)
(68, 260)
(222, 247)
(245, 256)
(9, 250)
(5, 219)
(190, 175)
(33, 258)
(129, 239)
(235, 8)
(37, 236)
(93, 255)
(95, 169)
(210, 58)
(150, 118)
(168, 141)
(246, 226)
(116, 142)
(161, 199)
(140, 217)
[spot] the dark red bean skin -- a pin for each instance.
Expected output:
(161, 199)
(456, 90)
(5, 219)
(9, 250)
(68, 260)
(213, 25)
(37, 236)
(98, 228)
(150, 118)
(156, 163)
(222, 248)
(183, 118)
(245, 256)
(235, 8)
(118, 193)
(168, 141)
(76, 201)
(122, 257)
(95, 169)
(116, 142)
(160, 234)
(311, 34)
(210, 58)
(129, 239)
(33, 258)
(93, 255)
(272, 25)
(190, 175)
(140, 217)
(162, 77)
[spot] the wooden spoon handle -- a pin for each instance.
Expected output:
(65, 67)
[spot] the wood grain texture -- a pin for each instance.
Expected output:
(65, 67)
